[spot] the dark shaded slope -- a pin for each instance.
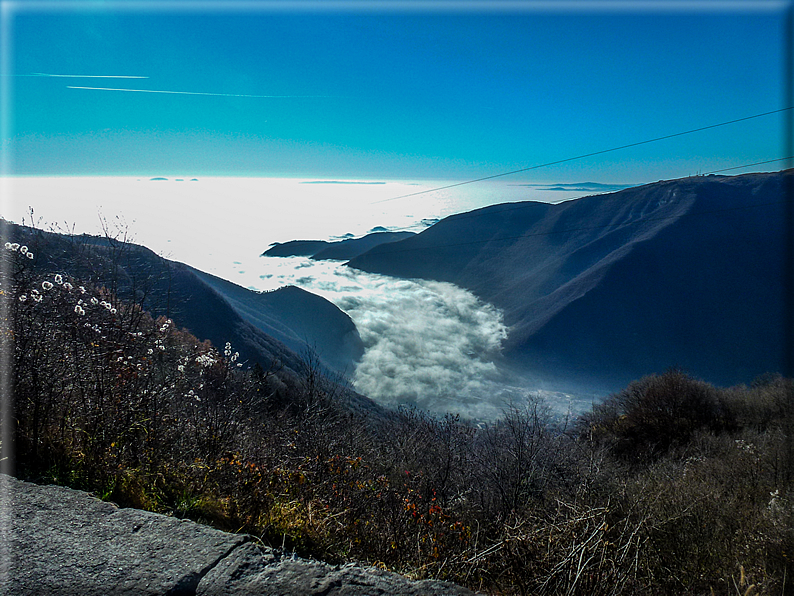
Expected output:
(271, 329)
(196, 306)
(606, 288)
(514, 255)
(706, 294)
(444, 251)
(295, 248)
(297, 318)
(348, 249)
(338, 251)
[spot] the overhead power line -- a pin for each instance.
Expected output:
(523, 204)
(747, 165)
(594, 153)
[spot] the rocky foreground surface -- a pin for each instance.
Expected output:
(61, 541)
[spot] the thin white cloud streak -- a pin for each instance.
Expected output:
(192, 92)
(79, 76)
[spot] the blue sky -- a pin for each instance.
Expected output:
(412, 90)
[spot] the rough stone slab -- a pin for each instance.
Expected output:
(64, 541)
(251, 571)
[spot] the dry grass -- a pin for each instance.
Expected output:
(670, 487)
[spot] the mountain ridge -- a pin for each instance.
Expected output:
(573, 278)
(341, 250)
(274, 329)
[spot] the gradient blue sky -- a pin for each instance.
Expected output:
(395, 91)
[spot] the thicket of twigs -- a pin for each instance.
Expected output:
(671, 486)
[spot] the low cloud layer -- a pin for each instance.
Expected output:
(427, 343)
(431, 344)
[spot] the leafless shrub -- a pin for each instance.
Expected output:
(655, 414)
(671, 486)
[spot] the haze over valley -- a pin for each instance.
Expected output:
(427, 343)
(479, 181)
(568, 301)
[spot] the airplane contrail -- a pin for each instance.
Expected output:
(77, 76)
(191, 92)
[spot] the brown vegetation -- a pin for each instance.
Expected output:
(670, 486)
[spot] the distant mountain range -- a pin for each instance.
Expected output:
(577, 186)
(604, 289)
(341, 250)
(272, 328)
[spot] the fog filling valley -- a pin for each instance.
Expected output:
(427, 343)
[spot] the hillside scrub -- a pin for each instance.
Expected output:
(669, 486)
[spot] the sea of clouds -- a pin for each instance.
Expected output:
(427, 343)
